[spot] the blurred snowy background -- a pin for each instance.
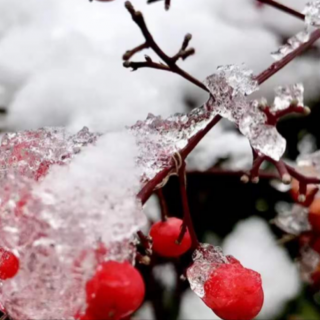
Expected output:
(60, 65)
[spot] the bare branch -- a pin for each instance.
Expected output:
(170, 62)
(283, 8)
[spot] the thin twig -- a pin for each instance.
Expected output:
(186, 210)
(170, 62)
(163, 205)
(283, 8)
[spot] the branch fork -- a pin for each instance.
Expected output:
(168, 63)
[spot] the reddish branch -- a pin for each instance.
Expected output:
(167, 3)
(283, 8)
(170, 63)
(163, 205)
(284, 170)
(187, 220)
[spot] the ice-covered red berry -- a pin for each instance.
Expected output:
(234, 292)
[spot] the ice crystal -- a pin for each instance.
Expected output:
(206, 260)
(285, 96)
(228, 88)
(159, 139)
(308, 263)
(311, 162)
(293, 221)
(292, 44)
(263, 137)
(312, 13)
(67, 203)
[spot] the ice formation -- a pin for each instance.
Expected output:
(312, 13)
(293, 221)
(284, 96)
(312, 19)
(159, 139)
(311, 161)
(229, 88)
(206, 260)
(309, 262)
(67, 202)
(292, 44)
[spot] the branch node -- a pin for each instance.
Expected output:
(255, 180)
(244, 178)
(286, 178)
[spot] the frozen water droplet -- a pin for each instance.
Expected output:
(263, 138)
(284, 96)
(311, 162)
(308, 263)
(293, 220)
(292, 44)
(206, 260)
(312, 13)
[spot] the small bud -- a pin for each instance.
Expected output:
(286, 178)
(188, 36)
(183, 277)
(302, 198)
(244, 178)
(148, 58)
(145, 260)
(255, 180)
(294, 102)
(307, 111)
(263, 103)
(127, 64)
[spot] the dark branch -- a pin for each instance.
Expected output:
(170, 62)
(283, 8)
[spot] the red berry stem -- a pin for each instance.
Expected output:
(186, 210)
(283, 8)
(145, 241)
(163, 205)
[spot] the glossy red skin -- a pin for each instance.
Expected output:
(116, 291)
(234, 292)
(165, 235)
(314, 215)
(9, 264)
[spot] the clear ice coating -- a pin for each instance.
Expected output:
(284, 96)
(66, 203)
(308, 263)
(159, 139)
(311, 162)
(206, 260)
(312, 13)
(228, 88)
(292, 44)
(294, 220)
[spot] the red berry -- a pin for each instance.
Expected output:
(9, 264)
(234, 292)
(165, 234)
(116, 291)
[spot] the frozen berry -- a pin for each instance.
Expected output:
(234, 292)
(116, 291)
(314, 215)
(165, 235)
(9, 264)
